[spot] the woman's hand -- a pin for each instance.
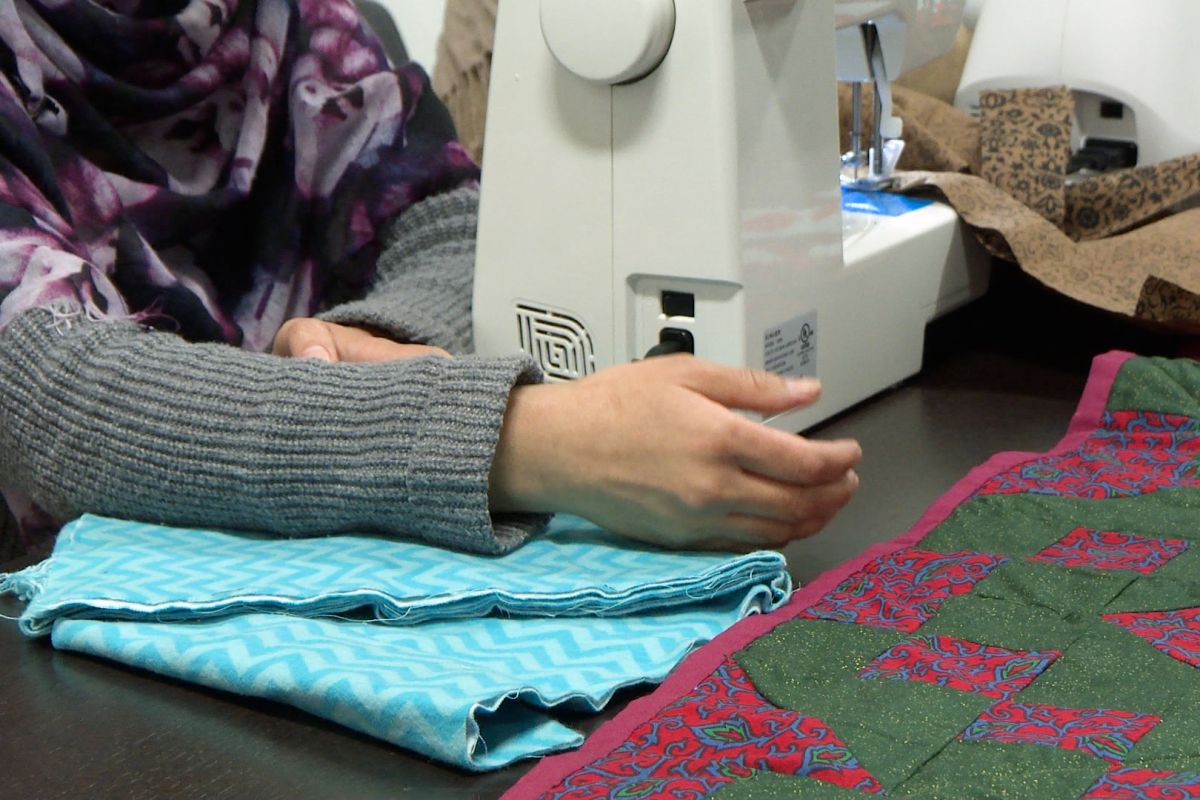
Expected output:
(652, 450)
(307, 337)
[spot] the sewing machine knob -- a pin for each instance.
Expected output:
(609, 41)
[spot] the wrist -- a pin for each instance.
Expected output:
(523, 473)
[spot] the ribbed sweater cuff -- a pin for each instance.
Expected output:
(105, 417)
(456, 438)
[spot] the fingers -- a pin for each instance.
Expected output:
(749, 512)
(746, 532)
(793, 459)
(758, 448)
(749, 389)
(811, 506)
(314, 338)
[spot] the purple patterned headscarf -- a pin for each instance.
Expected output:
(217, 166)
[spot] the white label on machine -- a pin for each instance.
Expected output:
(790, 349)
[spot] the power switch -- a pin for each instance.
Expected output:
(678, 304)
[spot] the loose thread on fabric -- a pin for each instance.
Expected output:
(68, 314)
(26, 584)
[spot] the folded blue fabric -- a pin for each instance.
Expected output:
(456, 656)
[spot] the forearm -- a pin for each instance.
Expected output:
(110, 419)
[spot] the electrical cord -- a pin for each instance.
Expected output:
(666, 347)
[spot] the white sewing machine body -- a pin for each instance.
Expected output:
(1132, 65)
(699, 204)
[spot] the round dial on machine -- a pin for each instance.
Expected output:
(608, 41)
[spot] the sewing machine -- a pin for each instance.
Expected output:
(1132, 67)
(664, 176)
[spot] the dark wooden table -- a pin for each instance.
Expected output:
(1003, 374)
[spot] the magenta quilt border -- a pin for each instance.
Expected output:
(553, 769)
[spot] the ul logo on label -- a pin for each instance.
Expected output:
(806, 335)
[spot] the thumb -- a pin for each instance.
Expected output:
(306, 338)
(754, 389)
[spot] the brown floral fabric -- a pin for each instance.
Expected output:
(1120, 241)
(1025, 146)
(1114, 202)
(1164, 302)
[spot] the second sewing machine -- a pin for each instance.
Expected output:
(665, 176)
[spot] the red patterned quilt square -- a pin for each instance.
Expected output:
(959, 664)
(904, 589)
(1176, 633)
(1084, 547)
(1132, 783)
(1133, 453)
(723, 730)
(1103, 732)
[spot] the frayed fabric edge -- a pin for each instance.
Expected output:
(26, 584)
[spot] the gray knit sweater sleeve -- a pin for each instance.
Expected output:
(108, 418)
(424, 277)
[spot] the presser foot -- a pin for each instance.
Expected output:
(865, 172)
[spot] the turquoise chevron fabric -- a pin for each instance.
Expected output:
(456, 656)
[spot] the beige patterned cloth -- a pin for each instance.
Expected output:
(1025, 146)
(463, 67)
(1118, 241)
(1121, 241)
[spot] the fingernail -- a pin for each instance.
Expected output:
(316, 351)
(803, 386)
(852, 476)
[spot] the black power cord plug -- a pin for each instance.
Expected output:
(672, 340)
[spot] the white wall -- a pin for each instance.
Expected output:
(420, 23)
